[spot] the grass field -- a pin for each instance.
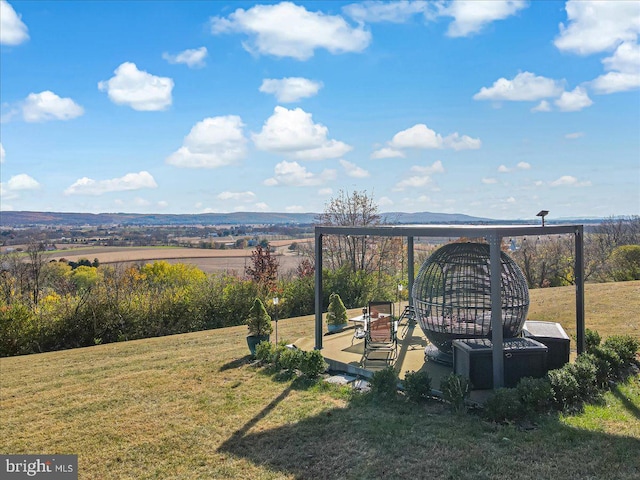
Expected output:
(193, 407)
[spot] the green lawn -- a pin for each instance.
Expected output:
(191, 406)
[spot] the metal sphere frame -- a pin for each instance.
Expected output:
(452, 295)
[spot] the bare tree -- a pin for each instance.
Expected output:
(357, 251)
(264, 268)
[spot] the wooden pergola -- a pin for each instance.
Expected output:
(493, 235)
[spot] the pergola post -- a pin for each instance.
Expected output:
(579, 278)
(496, 310)
(410, 264)
(318, 252)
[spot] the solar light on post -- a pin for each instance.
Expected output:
(276, 300)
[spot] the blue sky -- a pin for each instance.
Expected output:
(497, 108)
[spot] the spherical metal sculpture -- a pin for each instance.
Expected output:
(452, 295)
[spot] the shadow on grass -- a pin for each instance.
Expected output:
(628, 404)
(369, 439)
(237, 363)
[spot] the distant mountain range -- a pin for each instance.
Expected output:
(21, 219)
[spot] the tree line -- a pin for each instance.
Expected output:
(48, 305)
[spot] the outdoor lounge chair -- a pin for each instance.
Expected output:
(381, 330)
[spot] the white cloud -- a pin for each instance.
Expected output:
(489, 181)
(2, 153)
(22, 182)
(387, 153)
(45, 106)
(524, 166)
(193, 57)
(211, 143)
(503, 169)
(261, 206)
(325, 191)
(598, 26)
(294, 209)
(353, 170)
(394, 12)
(12, 30)
(293, 132)
(435, 167)
(289, 30)
(471, 16)
(543, 106)
(163, 204)
(569, 181)
(131, 181)
(464, 142)
(623, 70)
(573, 101)
(385, 202)
(418, 136)
(290, 89)
(138, 89)
(574, 135)
(422, 177)
(525, 86)
(422, 137)
(295, 175)
(237, 196)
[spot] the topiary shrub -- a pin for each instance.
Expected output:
(455, 390)
(591, 340)
(259, 321)
(504, 406)
(535, 394)
(312, 364)
(625, 346)
(417, 386)
(384, 383)
(336, 312)
(565, 388)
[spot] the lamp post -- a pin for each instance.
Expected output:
(400, 287)
(276, 300)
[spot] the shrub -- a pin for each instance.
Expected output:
(603, 368)
(586, 374)
(625, 346)
(417, 385)
(290, 359)
(613, 360)
(504, 405)
(313, 364)
(264, 351)
(455, 390)
(384, 383)
(565, 388)
(535, 394)
(591, 339)
(259, 321)
(336, 313)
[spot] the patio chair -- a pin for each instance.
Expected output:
(381, 330)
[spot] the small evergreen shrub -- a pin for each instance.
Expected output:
(535, 394)
(613, 360)
(264, 351)
(384, 383)
(417, 386)
(603, 369)
(312, 364)
(455, 390)
(565, 388)
(290, 359)
(586, 373)
(504, 406)
(625, 346)
(591, 339)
